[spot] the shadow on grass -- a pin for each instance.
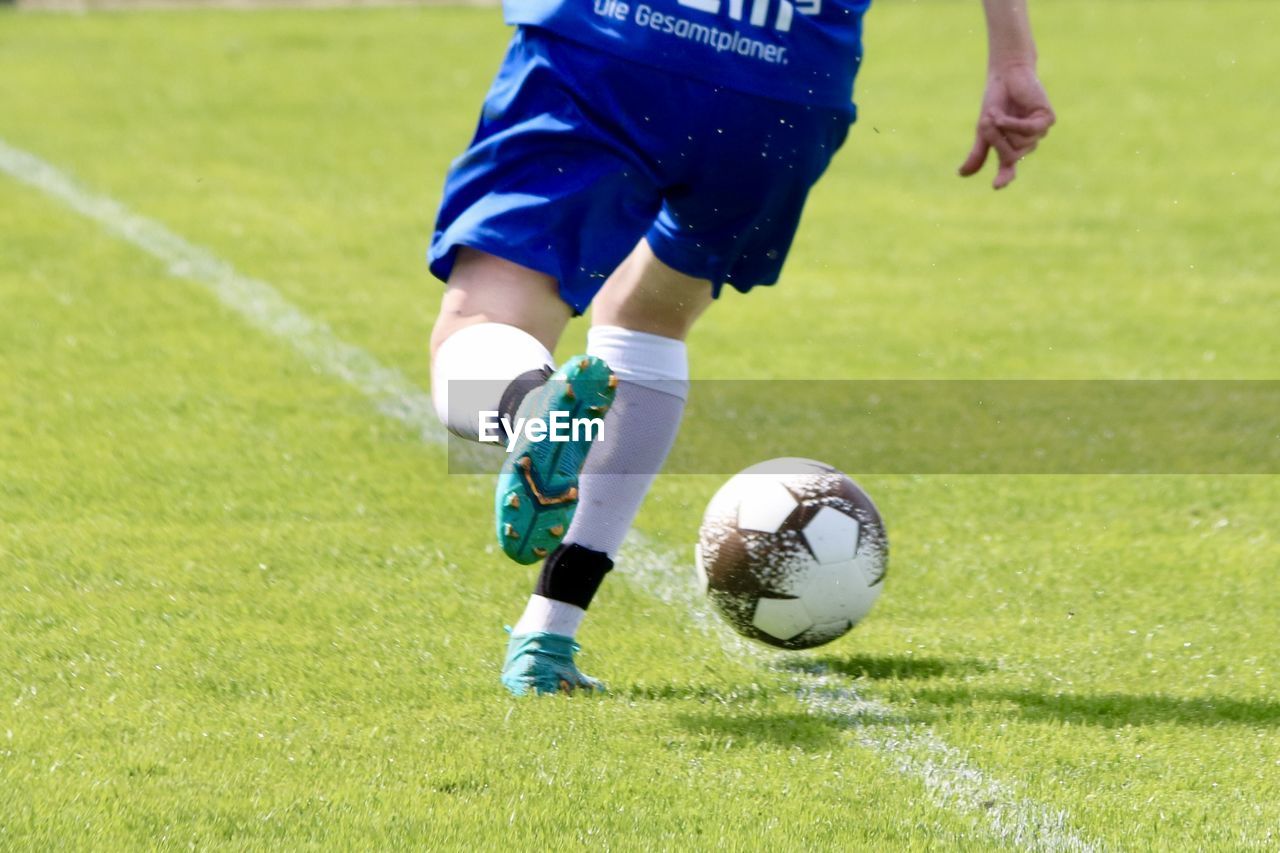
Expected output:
(1111, 710)
(928, 704)
(887, 667)
(783, 729)
(931, 703)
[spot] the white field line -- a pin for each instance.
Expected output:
(256, 301)
(913, 750)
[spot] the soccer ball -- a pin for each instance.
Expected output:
(792, 553)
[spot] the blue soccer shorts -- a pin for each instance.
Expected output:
(579, 155)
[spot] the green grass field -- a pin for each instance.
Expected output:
(240, 607)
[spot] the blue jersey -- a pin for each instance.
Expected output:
(802, 51)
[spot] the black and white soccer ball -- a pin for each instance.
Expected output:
(792, 553)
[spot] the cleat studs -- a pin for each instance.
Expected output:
(556, 531)
(568, 392)
(526, 468)
(539, 552)
(613, 381)
(510, 532)
(513, 500)
(584, 363)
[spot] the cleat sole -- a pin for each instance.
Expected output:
(537, 492)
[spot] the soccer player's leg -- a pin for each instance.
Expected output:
(564, 197)
(491, 354)
(714, 228)
(497, 324)
(640, 321)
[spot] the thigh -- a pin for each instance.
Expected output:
(646, 295)
(548, 183)
(483, 288)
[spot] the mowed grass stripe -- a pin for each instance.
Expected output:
(915, 751)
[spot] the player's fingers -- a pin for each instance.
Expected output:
(1004, 176)
(1036, 125)
(1021, 148)
(1022, 140)
(1007, 151)
(1009, 157)
(977, 156)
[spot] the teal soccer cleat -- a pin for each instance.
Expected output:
(542, 663)
(537, 490)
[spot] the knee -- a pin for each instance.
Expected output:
(473, 366)
(447, 324)
(485, 289)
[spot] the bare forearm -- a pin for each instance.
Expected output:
(1009, 40)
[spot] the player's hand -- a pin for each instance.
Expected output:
(1015, 116)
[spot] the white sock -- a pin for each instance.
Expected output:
(653, 383)
(641, 427)
(480, 361)
(551, 616)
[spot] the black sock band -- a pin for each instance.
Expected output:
(515, 394)
(572, 574)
